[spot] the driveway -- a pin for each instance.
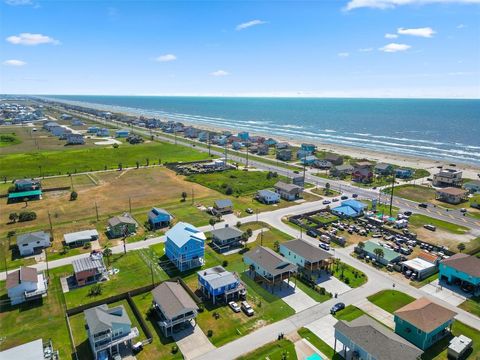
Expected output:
(332, 284)
(323, 328)
(376, 312)
(447, 293)
(192, 342)
(294, 297)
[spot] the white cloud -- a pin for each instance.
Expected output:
(166, 58)
(388, 4)
(365, 49)
(250, 24)
(461, 26)
(391, 36)
(18, 2)
(220, 73)
(14, 62)
(394, 47)
(343, 54)
(31, 39)
(426, 32)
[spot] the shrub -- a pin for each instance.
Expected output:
(115, 146)
(95, 290)
(201, 308)
(87, 245)
(346, 280)
(174, 349)
(229, 191)
(73, 196)
(209, 333)
(27, 216)
(225, 263)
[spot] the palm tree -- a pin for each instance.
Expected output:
(327, 188)
(461, 247)
(212, 222)
(107, 252)
(184, 196)
(361, 245)
(379, 253)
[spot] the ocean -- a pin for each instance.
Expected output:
(436, 128)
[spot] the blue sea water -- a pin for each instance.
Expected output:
(438, 128)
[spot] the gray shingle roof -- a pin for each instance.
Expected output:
(287, 187)
(268, 259)
(266, 193)
(227, 233)
(377, 340)
(32, 237)
(223, 203)
(101, 318)
(123, 219)
(173, 299)
(306, 250)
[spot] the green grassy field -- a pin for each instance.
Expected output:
(349, 313)
(319, 344)
(390, 300)
(9, 139)
(343, 271)
(240, 182)
(471, 305)
(418, 220)
(80, 160)
(414, 192)
(38, 319)
(277, 350)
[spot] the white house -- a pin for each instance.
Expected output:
(30, 243)
(25, 284)
(268, 196)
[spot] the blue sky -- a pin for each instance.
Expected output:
(358, 48)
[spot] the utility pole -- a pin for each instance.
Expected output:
(51, 226)
(151, 272)
(96, 209)
(209, 144)
(46, 261)
(71, 181)
(124, 238)
(391, 194)
(304, 167)
(193, 196)
(225, 150)
(175, 134)
(246, 165)
(130, 204)
(301, 232)
(261, 237)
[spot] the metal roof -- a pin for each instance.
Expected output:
(87, 263)
(223, 203)
(306, 250)
(183, 232)
(32, 350)
(85, 235)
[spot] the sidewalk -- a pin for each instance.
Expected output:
(376, 312)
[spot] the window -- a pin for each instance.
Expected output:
(419, 331)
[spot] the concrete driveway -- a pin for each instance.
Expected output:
(332, 284)
(323, 328)
(192, 342)
(376, 312)
(294, 297)
(448, 293)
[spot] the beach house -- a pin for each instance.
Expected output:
(218, 284)
(79, 238)
(122, 133)
(362, 172)
(33, 242)
(301, 154)
(308, 160)
(88, 270)
(334, 159)
(268, 196)
(288, 192)
(174, 306)
(349, 209)
(109, 330)
(423, 322)
(308, 258)
(404, 173)
(284, 154)
(33, 350)
(341, 170)
(92, 129)
(461, 269)
(26, 185)
(244, 135)
(159, 218)
(448, 177)
(451, 195)
(185, 246)
(473, 186)
(122, 225)
(225, 238)
(223, 206)
(282, 146)
(308, 147)
(25, 284)
(267, 267)
(75, 139)
(366, 338)
(384, 169)
(104, 132)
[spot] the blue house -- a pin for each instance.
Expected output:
(303, 153)
(123, 133)
(93, 129)
(103, 132)
(244, 135)
(403, 173)
(270, 142)
(308, 147)
(463, 269)
(349, 209)
(217, 283)
(308, 160)
(159, 218)
(307, 257)
(185, 246)
(423, 322)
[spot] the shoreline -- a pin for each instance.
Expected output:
(470, 171)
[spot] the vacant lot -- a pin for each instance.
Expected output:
(390, 300)
(8, 139)
(277, 350)
(76, 160)
(40, 319)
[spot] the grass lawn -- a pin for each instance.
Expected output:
(240, 182)
(418, 220)
(390, 300)
(349, 275)
(39, 319)
(9, 139)
(277, 350)
(319, 344)
(428, 280)
(315, 295)
(349, 313)
(471, 305)
(439, 350)
(86, 159)
(323, 192)
(414, 192)
(134, 273)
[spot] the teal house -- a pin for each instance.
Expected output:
(423, 322)
(461, 269)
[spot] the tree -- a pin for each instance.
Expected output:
(25, 200)
(10, 234)
(461, 247)
(137, 163)
(327, 189)
(229, 190)
(249, 232)
(184, 196)
(120, 166)
(361, 245)
(107, 252)
(73, 195)
(13, 217)
(212, 222)
(379, 253)
(148, 161)
(239, 223)
(276, 246)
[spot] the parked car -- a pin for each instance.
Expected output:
(430, 227)
(335, 199)
(337, 307)
(326, 202)
(234, 306)
(296, 172)
(354, 195)
(137, 347)
(463, 210)
(324, 246)
(344, 197)
(423, 205)
(247, 309)
(249, 211)
(312, 233)
(408, 213)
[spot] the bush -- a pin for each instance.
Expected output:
(73, 196)
(115, 146)
(87, 245)
(229, 191)
(209, 333)
(27, 216)
(95, 290)
(225, 263)
(174, 349)
(201, 308)
(346, 280)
